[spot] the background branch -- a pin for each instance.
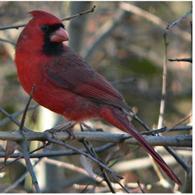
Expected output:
(154, 19)
(103, 33)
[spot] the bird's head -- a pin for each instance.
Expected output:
(44, 32)
(50, 26)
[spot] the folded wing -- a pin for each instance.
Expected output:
(72, 73)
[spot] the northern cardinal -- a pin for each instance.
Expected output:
(66, 84)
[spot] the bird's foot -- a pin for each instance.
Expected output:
(62, 127)
(85, 127)
(67, 127)
(70, 134)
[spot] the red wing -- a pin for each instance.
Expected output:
(72, 73)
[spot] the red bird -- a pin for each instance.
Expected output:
(66, 84)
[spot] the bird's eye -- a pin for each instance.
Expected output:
(45, 28)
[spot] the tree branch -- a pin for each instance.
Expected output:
(177, 140)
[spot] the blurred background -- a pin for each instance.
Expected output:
(124, 42)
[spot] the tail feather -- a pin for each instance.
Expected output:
(120, 120)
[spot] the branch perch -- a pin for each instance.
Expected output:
(177, 140)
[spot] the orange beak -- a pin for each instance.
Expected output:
(60, 35)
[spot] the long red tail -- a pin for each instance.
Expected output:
(120, 120)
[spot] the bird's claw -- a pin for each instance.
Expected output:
(70, 133)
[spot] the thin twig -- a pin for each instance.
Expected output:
(10, 116)
(140, 187)
(19, 180)
(14, 115)
(7, 41)
(24, 144)
(182, 120)
(133, 115)
(12, 27)
(162, 108)
(123, 81)
(181, 60)
(165, 129)
(63, 19)
(169, 149)
(162, 105)
(152, 18)
(191, 37)
(103, 32)
(141, 122)
(164, 84)
(20, 155)
(80, 13)
(107, 179)
(54, 153)
(181, 161)
(72, 167)
(91, 151)
(145, 162)
(177, 21)
(58, 142)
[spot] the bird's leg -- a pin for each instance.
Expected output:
(70, 132)
(88, 128)
(86, 144)
(64, 128)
